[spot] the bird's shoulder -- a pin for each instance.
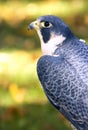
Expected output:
(49, 69)
(47, 63)
(48, 59)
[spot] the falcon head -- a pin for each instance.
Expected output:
(52, 31)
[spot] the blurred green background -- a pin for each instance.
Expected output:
(23, 104)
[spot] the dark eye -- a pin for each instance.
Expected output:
(46, 24)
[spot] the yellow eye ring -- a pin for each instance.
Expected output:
(46, 24)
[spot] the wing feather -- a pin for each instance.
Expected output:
(65, 89)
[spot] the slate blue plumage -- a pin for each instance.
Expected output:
(64, 74)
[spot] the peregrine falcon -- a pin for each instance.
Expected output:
(63, 69)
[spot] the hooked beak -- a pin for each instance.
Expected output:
(34, 25)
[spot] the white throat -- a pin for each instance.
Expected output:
(50, 47)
